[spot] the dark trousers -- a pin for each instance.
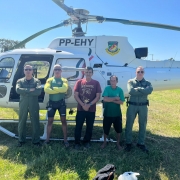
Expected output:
(80, 118)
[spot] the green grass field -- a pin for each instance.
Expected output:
(55, 162)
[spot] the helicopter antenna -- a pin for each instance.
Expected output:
(175, 55)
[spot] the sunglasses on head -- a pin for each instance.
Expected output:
(28, 69)
(57, 69)
(140, 72)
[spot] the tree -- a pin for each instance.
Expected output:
(6, 44)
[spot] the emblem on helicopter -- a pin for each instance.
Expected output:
(112, 48)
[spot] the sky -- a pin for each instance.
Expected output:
(20, 19)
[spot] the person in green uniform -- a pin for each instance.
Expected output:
(113, 98)
(29, 89)
(138, 89)
(56, 87)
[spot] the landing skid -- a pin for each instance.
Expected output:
(43, 137)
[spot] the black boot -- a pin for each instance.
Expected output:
(128, 147)
(143, 148)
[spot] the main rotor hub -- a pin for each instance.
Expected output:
(78, 17)
(81, 11)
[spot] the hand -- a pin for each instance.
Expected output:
(117, 98)
(32, 89)
(86, 107)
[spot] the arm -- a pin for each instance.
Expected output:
(37, 90)
(119, 102)
(147, 90)
(113, 99)
(76, 93)
(110, 99)
(48, 89)
(96, 99)
(62, 89)
(98, 94)
(106, 97)
(132, 90)
(20, 90)
(76, 97)
(121, 97)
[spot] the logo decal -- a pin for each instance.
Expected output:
(112, 48)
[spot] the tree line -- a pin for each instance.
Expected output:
(6, 44)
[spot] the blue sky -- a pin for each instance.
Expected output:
(21, 18)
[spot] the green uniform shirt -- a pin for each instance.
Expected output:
(56, 82)
(112, 109)
(23, 87)
(139, 90)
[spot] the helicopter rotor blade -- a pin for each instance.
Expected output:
(61, 4)
(77, 15)
(64, 23)
(140, 23)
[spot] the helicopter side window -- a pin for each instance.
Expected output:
(6, 68)
(76, 63)
(3, 91)
(40, 68)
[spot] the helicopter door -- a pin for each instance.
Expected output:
(7, 70)
(123, 78)
(41, 64)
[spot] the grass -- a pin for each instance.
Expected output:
(55, 162)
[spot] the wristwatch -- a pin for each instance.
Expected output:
(90, 104)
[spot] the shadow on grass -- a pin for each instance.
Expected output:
(48, 161)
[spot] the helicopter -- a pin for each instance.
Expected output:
(107, 55)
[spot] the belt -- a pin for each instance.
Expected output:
(138, 104)
(57, 101)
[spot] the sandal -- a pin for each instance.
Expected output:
(46, 142)
(66, 144)
(119, 148)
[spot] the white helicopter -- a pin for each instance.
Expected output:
(107, 55)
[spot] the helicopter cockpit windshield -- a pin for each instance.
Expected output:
(6, 68)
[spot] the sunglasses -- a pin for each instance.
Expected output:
(142, 72)
(57, 69)
(28, 69)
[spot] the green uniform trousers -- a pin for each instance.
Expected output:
(131, 114)
(29, 104)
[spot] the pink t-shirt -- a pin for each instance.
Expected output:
(87, 92)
